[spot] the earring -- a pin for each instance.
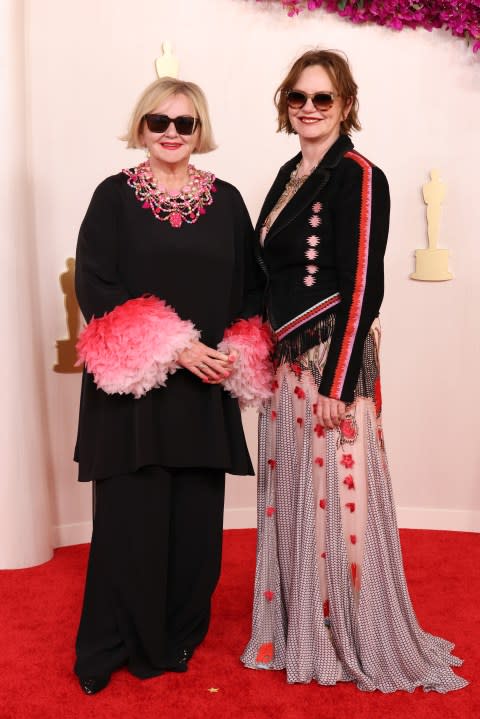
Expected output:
(147, 152)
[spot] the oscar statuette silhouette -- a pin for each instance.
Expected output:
(66, 352)
(431, 264)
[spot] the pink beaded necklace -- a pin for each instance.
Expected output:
(184, 206)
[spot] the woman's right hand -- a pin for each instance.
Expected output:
(330, 412)
(206, 363)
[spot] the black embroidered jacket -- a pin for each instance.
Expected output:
(323, 255)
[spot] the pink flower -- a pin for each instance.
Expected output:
(296, 369)
(347, 461)
(313, 240)
(265, 654)
(314, 221)
(319, 461)
(299, 392)
(311, 254)
(319, 431)
(312, 269)
(348, 481)
(308, 280)
(316, 207)
(347, 428)
(458, 16)
(350, 506)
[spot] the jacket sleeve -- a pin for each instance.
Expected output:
(130, 344)
(249, 336)
(360, 230)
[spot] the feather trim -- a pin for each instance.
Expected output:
(134, 347)
(251, 378)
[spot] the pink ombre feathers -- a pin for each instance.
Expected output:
(252, 373)
(133, 348)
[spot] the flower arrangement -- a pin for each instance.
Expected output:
(461, 17)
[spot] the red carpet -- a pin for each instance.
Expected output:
(39, 609)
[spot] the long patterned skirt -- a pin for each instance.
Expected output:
(331, 602)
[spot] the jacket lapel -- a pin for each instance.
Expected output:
(276, 189)
(306, 193)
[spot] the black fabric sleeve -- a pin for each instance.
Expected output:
(97, 283)
(360, 229)
(253, 275)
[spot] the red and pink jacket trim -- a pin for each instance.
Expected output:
(360, 275)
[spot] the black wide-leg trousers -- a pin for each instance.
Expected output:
(154, 563)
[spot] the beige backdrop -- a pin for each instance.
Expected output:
(77, 70)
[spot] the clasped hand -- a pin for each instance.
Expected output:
(330, 412)
(206, 363)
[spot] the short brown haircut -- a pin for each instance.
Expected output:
(159, 91)
(338, 70)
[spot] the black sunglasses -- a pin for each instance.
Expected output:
(184, 124)
(321, 100)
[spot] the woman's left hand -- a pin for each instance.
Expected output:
(330, 412)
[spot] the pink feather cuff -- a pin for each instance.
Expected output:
(134, 347)
(251, 378)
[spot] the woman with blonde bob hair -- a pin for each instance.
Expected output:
(331, 603)
(157, 93)
(167, 280)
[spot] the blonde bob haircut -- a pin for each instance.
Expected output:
(338, 70)
(154, 95)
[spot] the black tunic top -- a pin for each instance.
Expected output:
(205, 271)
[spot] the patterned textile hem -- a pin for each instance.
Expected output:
(331, 602)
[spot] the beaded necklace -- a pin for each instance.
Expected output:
(184, 206)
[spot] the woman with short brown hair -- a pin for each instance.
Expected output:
(331, 602)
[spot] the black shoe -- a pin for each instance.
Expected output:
(93, 685)
(180, 663)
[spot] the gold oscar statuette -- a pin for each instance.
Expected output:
(66, 352)
(167, 64)
(431, 264)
